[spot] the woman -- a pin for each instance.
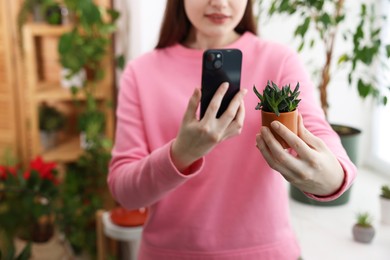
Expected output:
(211, 193)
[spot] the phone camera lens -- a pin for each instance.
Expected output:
(217, 64)
(211, 57)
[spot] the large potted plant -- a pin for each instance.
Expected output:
(328, 20)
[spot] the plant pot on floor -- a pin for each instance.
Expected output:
(350, 140)
(363, 234)
(385, 210)
(51, 249)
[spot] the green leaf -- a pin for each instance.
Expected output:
(114, 14)
(343, 58)
(120, 61)
(340, 18)
(26, 253)
(301, 46)
(312, 43)
(388, 50)
(363, 88)
(325, 20)
(302, 29)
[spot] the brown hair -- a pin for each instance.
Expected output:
(176, 26)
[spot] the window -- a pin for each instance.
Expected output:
(381, 118)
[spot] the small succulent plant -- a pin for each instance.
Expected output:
(277, 100)
(385, 192)
(364, 219)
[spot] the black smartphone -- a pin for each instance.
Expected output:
(218, 66)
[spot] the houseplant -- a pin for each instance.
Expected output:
(89, 41)
(279, 104)
(91, 123)
(385, 204)
(51, 121)
(363, 230)
(28, 199)
(84, 48)
(87, 47)
(82, 193)
(328, 21)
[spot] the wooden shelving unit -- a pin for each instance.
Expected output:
(43, 86)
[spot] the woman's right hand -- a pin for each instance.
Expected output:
(198, 137)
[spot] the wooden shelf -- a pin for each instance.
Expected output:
(55, 92)
(40, 42)
(65, 152)
(42, 29)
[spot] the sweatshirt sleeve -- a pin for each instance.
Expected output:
(314, 120)
(137, 176)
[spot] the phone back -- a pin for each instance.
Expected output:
(220, 65)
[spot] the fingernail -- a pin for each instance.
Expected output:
(275, 124)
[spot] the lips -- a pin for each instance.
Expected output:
(217, 17)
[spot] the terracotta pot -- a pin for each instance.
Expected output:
(128, 218)
(289, 119)
(39, 232)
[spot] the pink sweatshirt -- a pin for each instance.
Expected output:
(232, 205)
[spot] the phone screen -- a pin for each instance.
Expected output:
(218, 66)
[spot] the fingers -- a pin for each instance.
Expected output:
(296, 143)
(277, 157)
(216, 101)
(236, 125)
(310, 139)
(192, 106)
(234, 106)
(262, 146)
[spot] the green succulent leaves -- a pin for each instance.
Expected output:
(277, 100)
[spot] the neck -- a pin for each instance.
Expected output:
(203, 42)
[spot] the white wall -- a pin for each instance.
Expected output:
(145, 20)
(345, 105)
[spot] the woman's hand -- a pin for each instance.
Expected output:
(196, 138)
(314, 169)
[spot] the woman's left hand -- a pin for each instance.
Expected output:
(314, 169)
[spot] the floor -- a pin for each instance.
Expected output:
(326, 232)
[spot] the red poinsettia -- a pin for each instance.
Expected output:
(5, 171)
(40, 177)
(45, 170)
(27, 195)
